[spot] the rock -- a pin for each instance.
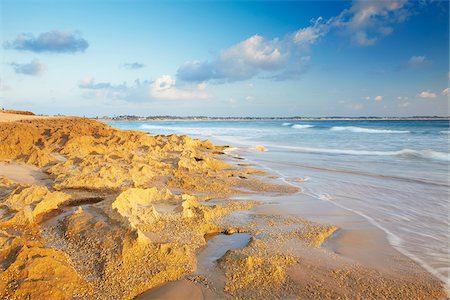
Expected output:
(31, 204)
(260, 148)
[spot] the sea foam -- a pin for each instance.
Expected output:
(407, 153)
(366, 130)
(302, 126)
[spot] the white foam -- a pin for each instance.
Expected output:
(230, 150)
(302, 126)
(393, 239)
(286, 124)
(365, 130)
(445, 131)
(409, 153)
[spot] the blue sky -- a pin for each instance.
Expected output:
(225, 58)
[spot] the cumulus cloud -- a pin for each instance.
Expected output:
(278, 58)
(378, 98)
(33, 68)
(275, 58)
(427, 94)
(239, 62)
(133, 66)
(165, 87)
(53, 41)
(367, 21)
(445, 92)
(283, 57)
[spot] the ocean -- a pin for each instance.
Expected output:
(395, 174)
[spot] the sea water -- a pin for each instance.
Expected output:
(395, 174)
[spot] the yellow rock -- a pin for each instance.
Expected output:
(32, 203)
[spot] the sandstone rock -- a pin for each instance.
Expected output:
(31, 204)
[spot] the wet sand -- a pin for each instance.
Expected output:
(23, 173)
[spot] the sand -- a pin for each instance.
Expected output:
(92, 212)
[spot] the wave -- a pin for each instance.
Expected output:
(286, 124)
(366, 130)
(301, 126)
(409, 153)
(445, 131)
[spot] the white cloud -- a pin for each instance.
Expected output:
(404, 104)
(239, 62)
(249, 98)
(309, 35)
(367, 21)
(402, 98)
(278, 58)
(427, 94)
(366, 98)
(164, 87)
(378, 98)
(445, 92)
(282, 57)
(202, 86)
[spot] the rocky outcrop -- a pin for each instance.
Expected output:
(121, 211)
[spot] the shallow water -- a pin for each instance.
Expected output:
(395, 174)
(217, 247)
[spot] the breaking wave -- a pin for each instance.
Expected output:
(302, 126)
(408, 153)
(366, 130)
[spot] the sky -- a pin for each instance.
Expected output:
(225, 58)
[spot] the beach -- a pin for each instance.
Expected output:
(126, 211)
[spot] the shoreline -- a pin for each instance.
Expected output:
(390, 239)
(272, 119)
(121, 213)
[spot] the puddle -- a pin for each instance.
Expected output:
(217, 247)
(24, 174)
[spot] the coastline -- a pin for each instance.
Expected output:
(169, 214)
(180, 119)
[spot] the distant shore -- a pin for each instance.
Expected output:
(203, 118)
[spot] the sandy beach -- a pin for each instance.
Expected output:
(92, 212)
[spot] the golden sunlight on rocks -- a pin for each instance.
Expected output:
(113, 214)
